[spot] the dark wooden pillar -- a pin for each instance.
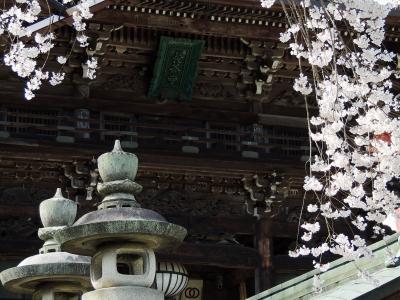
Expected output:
(264, 245)
(242, 291)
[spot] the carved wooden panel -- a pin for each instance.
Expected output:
(28, 171)
(175, 70)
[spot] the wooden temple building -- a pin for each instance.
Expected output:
(201, 92)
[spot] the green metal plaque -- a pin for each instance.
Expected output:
(175, 71)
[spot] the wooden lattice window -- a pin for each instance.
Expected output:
(289, 141)
(155, 131)
(170, 133)
(3, 118)
(118, 126)
(223, 137)
(23, 121)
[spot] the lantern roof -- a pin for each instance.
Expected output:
(51, 266)
(119, 218)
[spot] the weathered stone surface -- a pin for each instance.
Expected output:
(55, 258)
(117, 165)
(120, 225)
(26, 277)
(119, 186)
(118, 193)
(119, 214)
(47, 233)
(58, 291)
(140, 261)
(58, 211)
(124, 293)
(64, 272)
(118, 229)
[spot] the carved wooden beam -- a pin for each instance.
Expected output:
(172, 109)
(149, 160)
(221, 255)
(179, 24)
(215, 225)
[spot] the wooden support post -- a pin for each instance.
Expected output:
(264, 246)
(242, 290)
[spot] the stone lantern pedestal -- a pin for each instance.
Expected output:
(120, 236)
(138, 265)
(52, 274)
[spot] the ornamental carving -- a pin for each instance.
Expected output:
(175, 71)
(190, 183)
(167, 193)
(215, 90)
(290, 98)
(28, 171)
(80, 180)
(177, 202)
(135, 81)
(266, 193)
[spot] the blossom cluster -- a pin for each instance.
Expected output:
(355, 133)
(28, 46)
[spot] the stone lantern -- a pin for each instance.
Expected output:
(120, 236)
(52, 274)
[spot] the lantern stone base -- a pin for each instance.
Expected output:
(124, 293)
(54, 267)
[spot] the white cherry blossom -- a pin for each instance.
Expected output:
(355, 132)
(26, 48)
